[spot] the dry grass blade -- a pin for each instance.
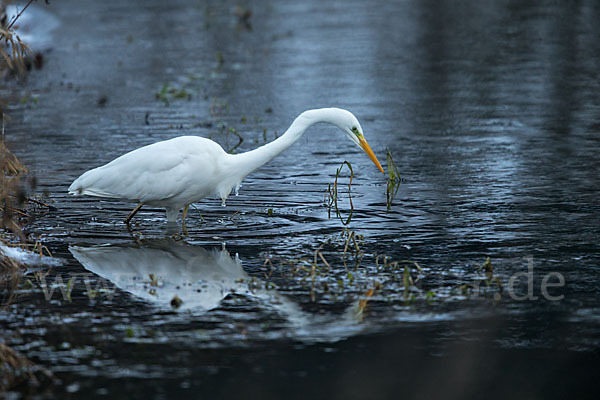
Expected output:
(12, 196)
(10, 165)
(17, 369)
(362, 304)
(6, 57)
(13, 50)
(351, 244)
(10, 276)
(271, 268)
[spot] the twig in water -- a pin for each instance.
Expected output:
(41, 203)
(18, 15)
(320, 255)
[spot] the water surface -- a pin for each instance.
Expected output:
(490, 111)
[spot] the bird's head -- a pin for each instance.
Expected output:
(348, 123)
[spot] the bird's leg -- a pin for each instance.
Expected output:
(172, 215)
(183, 215)
(135, 210)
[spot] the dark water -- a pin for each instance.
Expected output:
(491, 112)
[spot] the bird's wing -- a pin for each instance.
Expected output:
(155, 172)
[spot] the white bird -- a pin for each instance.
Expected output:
(178, 172)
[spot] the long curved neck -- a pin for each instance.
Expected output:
(252, 160)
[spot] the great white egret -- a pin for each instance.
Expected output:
(177, 172)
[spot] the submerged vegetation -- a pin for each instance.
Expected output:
(393, 181)
(339, 269)
(170, 92)
(332, 195)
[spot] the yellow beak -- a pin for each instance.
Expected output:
(365, 146)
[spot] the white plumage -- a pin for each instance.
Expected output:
(171, 174)
(177, 172)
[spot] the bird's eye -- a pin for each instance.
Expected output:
(354, 129)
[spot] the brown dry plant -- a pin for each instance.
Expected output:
(12, 195)
(16, 369)
(13, 51)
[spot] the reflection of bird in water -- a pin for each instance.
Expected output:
(159, 270)
(177, 172)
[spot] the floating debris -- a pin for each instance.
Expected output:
(220, 60)
(243, 15)
(102, 100)
(176, 302)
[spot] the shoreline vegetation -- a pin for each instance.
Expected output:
(15, 207)
(13, 51)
